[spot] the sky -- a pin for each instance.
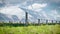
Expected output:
(50, 9)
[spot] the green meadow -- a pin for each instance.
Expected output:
(41, 29)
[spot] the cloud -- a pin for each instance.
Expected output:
(59, 7)
(47, 1)
(29, 1)
(14, 1)
(13, 10)
(37, 6)
(44, 14)
(38, 10)
(0, 1)
(54, 14)
(29, 16)
(56, 1)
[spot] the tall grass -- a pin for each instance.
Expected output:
(42, 29)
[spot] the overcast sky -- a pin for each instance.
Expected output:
(48, 8)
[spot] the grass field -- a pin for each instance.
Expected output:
(42, 29)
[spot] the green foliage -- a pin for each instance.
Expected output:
(42, 29)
